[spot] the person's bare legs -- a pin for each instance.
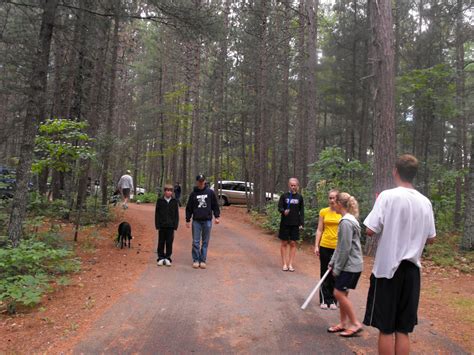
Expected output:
(386, 344)
(283, 252)
(402, 343)
(292, 253)
(346, 308)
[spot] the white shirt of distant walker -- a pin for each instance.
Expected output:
(201, 184)
(404, 219)
(126, 182)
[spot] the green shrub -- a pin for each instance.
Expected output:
(148, 197)
(445, 252)
(332, 170)
(39, 205)
(26, 271)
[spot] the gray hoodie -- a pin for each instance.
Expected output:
(348, 253)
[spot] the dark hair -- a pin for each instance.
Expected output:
(407, 167)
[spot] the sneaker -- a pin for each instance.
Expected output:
(202, 265)
(196, 265)
(333, 307)
(161, 262)
(323, 306)
(167, 262)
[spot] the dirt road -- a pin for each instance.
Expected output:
(243, 302)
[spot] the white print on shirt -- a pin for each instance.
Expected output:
(202, 201)
(294, 201)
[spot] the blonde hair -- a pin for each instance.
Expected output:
(349, 203)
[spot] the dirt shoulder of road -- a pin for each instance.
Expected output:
(66, 314)
(446, 301)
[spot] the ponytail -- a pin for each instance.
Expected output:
(349, 203)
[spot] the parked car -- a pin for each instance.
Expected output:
(7, 182)
(233, 192)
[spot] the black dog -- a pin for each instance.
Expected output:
(124, 234)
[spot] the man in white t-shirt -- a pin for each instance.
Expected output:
(403, 219)
(125, 185)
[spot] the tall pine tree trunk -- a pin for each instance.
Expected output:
(111, 108)
(467, 242)
(383, 93)
(382, 59)
(312, 146)
(35, 110)
(460, 119)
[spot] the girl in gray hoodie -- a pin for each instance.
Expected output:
(347, 264)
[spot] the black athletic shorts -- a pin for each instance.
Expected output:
(289, 232)
(346, 280)
(126, 192)
(392, 304)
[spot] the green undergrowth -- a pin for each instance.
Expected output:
(148, 197)
(28, 271)
(445, 252)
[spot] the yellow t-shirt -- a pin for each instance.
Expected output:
(331, 222)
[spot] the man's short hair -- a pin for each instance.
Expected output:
(407, 167)
(168, 187)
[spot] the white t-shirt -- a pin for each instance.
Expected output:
(126, 182)
(404, 219)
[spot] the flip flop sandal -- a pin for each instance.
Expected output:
(291, 269)
(336, 329)
(350, 333)
(285, 268)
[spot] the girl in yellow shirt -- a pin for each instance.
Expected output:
(326, 242)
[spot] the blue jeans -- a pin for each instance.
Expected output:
(201, 231)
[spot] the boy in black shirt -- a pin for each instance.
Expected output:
(166, 222)
(291, 207)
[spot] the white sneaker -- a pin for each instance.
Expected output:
(195, 265)
(333, 306)
(167, 262)
(323, 306)
(161, 262)
(202, 265)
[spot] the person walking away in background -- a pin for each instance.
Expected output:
(291, 208)
(166, 222)
(325, 244)
(202, 204)
(347, 264)
(125, 185)
(177, 193)
(404, 222)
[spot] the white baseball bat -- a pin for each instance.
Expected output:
(315, 289)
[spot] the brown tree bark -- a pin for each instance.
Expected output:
(383, 71)
(284, 119)
(381, 57)
(467, 241)
(312, 62)
(35, 110)
(110, 108)
(300, 149)
(461, 128)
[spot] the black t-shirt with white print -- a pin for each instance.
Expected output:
(296, 206)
